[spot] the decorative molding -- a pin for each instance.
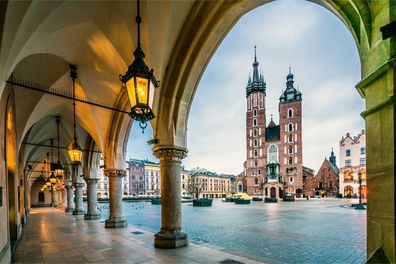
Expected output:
(170, 153)
(115, 173)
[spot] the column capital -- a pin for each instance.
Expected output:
(78, 184)
(114, 173)
(170, 152)
(92, 180)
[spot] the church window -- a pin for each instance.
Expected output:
(255, 153)
(259, 172)
(290, 160)
(254, 132)
(273, 153)
(256, 181)
(252, 172)
(290, 113)
(254, 122)
(290, 127)
(255, 163)
(255, 112)
(290, 150)
(255, 142)
(290, 138)
(291, 179)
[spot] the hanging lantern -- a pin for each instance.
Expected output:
(74, 151)
(52, 178)
(48, 183)
(140, 83)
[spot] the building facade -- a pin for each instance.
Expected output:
(103, 182)
(206, 184)
(327, 178)
(273, 152)
(352, 165)
(152, 178)
(309, 184)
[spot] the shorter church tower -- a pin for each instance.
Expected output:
(290, 122)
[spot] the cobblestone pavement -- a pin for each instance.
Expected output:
(315, 231)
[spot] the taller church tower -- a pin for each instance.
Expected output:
(255, 131)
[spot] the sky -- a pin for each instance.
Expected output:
(324, 59)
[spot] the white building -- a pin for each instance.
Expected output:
(185, 176)
(352, 164)
(152, 177)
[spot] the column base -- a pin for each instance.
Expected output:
(91, 216)
(69, 210)
(78, 212)
(170, 239)
(116, 223)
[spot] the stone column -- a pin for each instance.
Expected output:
(63, 198)
(78, 187)
(59, 198)
(54, 195)
(92, 213)
(116, 218)
(70, 198)
(170, 235)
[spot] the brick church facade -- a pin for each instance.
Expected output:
(273, 151)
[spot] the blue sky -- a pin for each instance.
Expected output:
(326, 67)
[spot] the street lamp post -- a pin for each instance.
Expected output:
(360, 205)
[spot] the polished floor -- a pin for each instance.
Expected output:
(52, 236)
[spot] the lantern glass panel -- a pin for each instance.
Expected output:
(138, 90)
(130, 85)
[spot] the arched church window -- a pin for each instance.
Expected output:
(255, 112)
(290, 113)
(254, 132)
(290, 150)
(256, 180)
(255, 143)
(290, 127)
(290, 160)
(255, 163)
(290, 138)
(273, 153)
(255, 153)
(254, 122)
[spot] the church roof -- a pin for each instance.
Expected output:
(290, 94)
(257, 83)
(272, 133)
(334, 167)
(272, 124)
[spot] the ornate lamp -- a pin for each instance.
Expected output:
(140, 83)
(59, 169)
(74, 150)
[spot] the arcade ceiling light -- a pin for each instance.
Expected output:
(140, 83)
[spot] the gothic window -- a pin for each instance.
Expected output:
(291, 179)
(255, 163)
(290, 149)
(255, 112)
(255, 153)
(252, 172)
(255, 143)
(290, 160)
(259, 172)
(256, 181)
(290, 113)
(290, 127)
(273, 153)
(290, 138)
(254, 122)
(254, 132)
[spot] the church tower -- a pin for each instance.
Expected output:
(255, 131)
(290, 121)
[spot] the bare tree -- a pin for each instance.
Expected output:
(195, 186)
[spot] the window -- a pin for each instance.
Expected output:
(259, 172)
(252, 172)
(290, 127)
(362, 161)
(134, 168)
(105, 186)
(255, 163)
(348, 163)
(273, 153)
(254, 132)
(290, 160)
(290, 138)
(348, 153)
(290, 149)
(256, 181)
(290, 113)
(141, 178)
(255, 112)
(291, 179)
(133, 177)
(362, 150)
(254, 122)
(183, 177)
(255, 153)
(255, 143)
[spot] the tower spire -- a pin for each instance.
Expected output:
(255, 67)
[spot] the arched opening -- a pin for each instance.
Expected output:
(273, 192)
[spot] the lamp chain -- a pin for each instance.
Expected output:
(138, 21)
